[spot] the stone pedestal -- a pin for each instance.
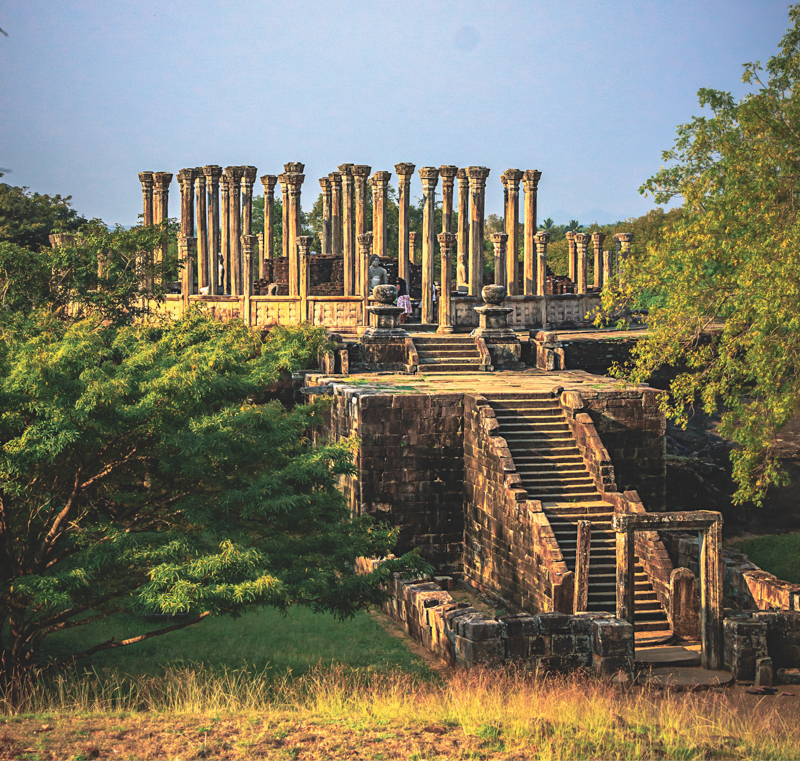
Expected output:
(385, 315)
(504, 346)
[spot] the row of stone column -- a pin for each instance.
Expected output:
(578, 258)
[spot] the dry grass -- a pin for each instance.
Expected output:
(336, 713)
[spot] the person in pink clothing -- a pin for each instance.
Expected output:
(403, 299)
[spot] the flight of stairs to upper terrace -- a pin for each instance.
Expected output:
(552, 470)
(451, 354)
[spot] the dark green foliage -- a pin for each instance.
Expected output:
(27, 219)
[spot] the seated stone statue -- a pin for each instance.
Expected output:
(272, 289)
(377, 274)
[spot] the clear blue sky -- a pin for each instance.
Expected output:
(588, 91)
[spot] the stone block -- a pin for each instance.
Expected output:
(539, 646)
(612, 637)
(554, 623)
(478, 628)
(516, 647)
(788, 676)
(519, 626)
(485, 651)
(745, 641)
(763, 672)
(610, 665)
(562, 644)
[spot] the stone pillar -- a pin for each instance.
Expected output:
(360, 174)
(477, 190)
(530, 183)
(304, 250)
(295, 182)
(268, 182)
(582, 245)
(626, 569)
(512, 180)
(447, 241)
(202, 231)
(582, 555)
(710, 588)
(404, 174)
(597, 244)
(608, 266)
(249, 249)
(325, 235)
(499, 241)
(448, 174)
(146, 178)
(225, 284)
(336, 213)
(186, 181)
(234, 175)
(212, 174)
(364, 255)
(462, 267)
(187, 245)
(248, 180)
(572, 256)
(412, 250)
(380, 192)
(161, 183)
(430, 178)
(625, 240)
(348, 233)
(541, 239)
(284, 214)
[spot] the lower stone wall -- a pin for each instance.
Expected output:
(745, 585)
(763, 647)
(509, 547)
(462, 636)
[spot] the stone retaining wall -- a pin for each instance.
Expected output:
(462, 636)
(762, 645)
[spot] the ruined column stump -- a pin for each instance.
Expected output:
(501, 341)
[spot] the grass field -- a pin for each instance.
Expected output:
(778, 554)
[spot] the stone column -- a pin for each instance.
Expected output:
(448, 174)
(608, 267)
(582, 558)
(582, 245)
(572, 257)
(711, 581)
(249, 249)
(348, 233)
(447, 241)
(625, 240)
(365, 253)
(430, 178)
(325, 234)
(202, 230)
(304, 250)
(268, 182)
(186, 255)
(186, 181)
(225, 187)
(530, 183)
(541, 239)
(626, 568)
(404, 174)
(212, 174)
(597, 244)
(336, 213)
(146, 178)
(248, 180)
(462, 266)
(412, 251)
(513, 177)
(360, 174)
(380, 192)
(234, 175)
(161, 183)
(477, 190)
(499, 241)
(294, 181)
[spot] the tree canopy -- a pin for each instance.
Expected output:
(722, 280)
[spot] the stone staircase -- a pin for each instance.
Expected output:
(450, 354)
(552, 470)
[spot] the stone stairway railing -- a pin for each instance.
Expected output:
(675, 588)
(509, 546)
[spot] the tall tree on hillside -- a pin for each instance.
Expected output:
(732, 256)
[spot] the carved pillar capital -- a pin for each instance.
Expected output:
(570, 235)
(336, 179)
(624, 237)
(268, 182)
(186, 176)
(531, 179)
(429, 176)
(542, 238)
(597, 239)
(461, 174)
(499, 239)
(582, 239)
(212, 174)
(477, 176)
(249, 174)
(233, 174)
(365, 239)
(325, 184)
(446, 243)
(346, 170)
(146, 178)
(304, 244)
(448, 174)
(295, 181)
(162, 181)
(294, 167)
(361, 172)
(404, 171)
(513, 177)
(381, 179)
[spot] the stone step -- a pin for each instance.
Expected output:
(534, 460)
(547, 424)
(533, 405)
(570, 478)
(541, 413)
(451, 367)
(543, 497)
(440, 341)
(448, 354)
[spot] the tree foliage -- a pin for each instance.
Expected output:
(137, 474)
(27, 219)
(723, 279)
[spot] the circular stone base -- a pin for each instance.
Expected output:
(688, 679)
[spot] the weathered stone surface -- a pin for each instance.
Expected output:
(745, 641)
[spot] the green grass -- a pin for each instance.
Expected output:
(778, 554)
(260, 640)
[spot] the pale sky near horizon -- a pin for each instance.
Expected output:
(588, 91)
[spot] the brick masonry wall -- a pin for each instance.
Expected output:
(410, 467)
(752, 641)
(509, 547)
(462, 636)
(745, 585)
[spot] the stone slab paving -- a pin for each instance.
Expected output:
(687, 679)
(669, 656)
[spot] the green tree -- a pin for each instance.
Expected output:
(27, 219)
(138, 474)
(730, 261)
